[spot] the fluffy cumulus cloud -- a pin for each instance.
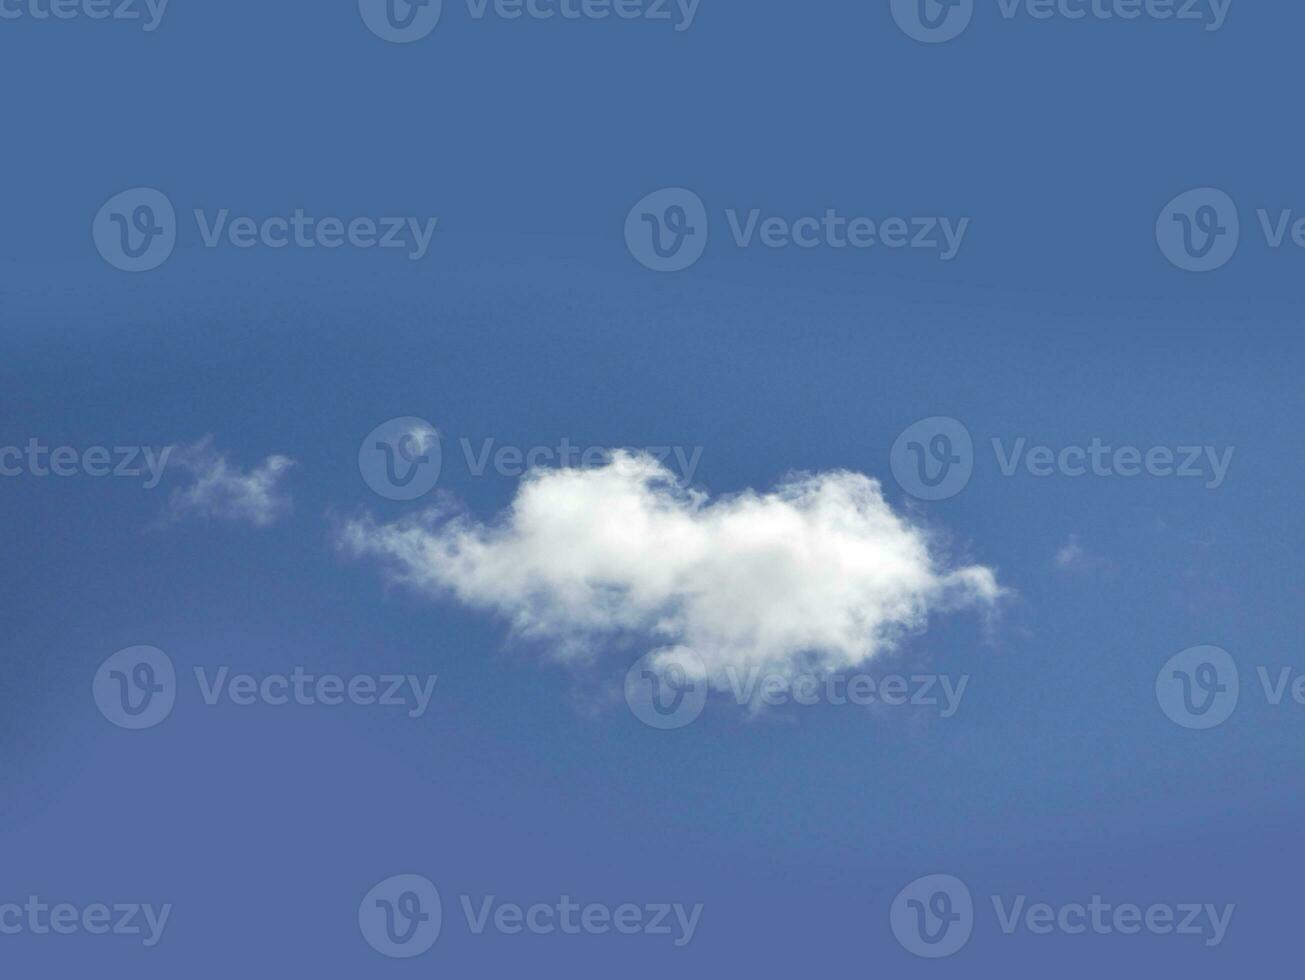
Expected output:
(818, 574)
(218, 489)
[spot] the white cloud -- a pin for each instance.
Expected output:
(1073, 557)
(817, 574)
(220, 490)
(1070, 553)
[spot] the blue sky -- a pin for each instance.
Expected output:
(530, 319)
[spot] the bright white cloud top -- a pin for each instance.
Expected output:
(819, 574)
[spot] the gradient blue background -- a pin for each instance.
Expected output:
(529, 321)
